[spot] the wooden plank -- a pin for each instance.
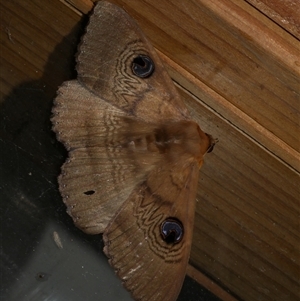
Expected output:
(31, 39)
(247, 217)
(209, 284)
(241, 121)
(285, 13)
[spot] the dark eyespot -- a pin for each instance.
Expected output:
(89, 192)
(142, 66)
(172, 230)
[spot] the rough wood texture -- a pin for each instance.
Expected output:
(285, 13)
(238, 71)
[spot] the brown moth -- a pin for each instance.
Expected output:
(134, 155)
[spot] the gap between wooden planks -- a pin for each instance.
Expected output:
(209, 284)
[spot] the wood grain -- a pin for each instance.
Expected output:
(238, 71)
(28, 38)
(284, 13)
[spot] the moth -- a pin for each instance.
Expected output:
(134, 155)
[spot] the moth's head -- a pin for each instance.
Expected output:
(206, 141)
(206, 146)
(212, 142)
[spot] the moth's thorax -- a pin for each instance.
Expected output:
(182, 139)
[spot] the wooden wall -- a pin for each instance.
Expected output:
(236, 63)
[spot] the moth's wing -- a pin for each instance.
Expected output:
(104, 65)
(102, 168)
(133, 241)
